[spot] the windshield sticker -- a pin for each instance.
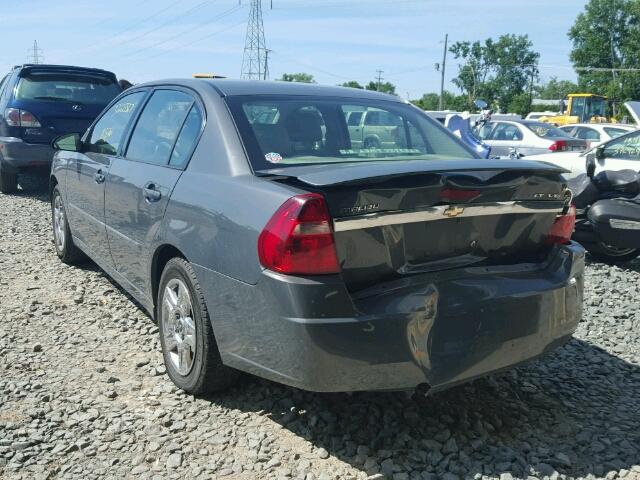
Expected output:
(273, 157)
(125, 107)
(378, 151)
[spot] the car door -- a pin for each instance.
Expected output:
(140, 182)
(621, 153)
(85, 178)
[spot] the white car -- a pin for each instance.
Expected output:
(597, 133)
(620, 153)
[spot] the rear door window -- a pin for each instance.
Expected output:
(615, 132)
(106, 136)
(51, 87)
(484, 132)
(157, 129)
(586, 133)
(506, 132)
(187, 138)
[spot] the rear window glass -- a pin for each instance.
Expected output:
(283, 131)
(615, 132)
(67, 88)
(545, 131)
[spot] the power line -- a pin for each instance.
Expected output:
(162, 25)
(200, 39)
(187, 30)
(311, 67)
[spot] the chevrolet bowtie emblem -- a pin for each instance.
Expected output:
(453, 211)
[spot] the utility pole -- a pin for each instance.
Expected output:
(254, 59)
(380, 72)
(444, 67)
(531, 89)
(36, 53)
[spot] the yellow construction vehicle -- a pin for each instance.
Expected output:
(582, 108)
(207, 75)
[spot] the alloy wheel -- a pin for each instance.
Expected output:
(178, 326)
(59, 223)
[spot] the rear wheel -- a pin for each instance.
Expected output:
(8, 181)
(610, 254)
(65, 248)
(188, 345)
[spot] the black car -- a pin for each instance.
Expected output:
(263, 236)
(39, 103)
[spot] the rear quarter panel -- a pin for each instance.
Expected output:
(216, 220)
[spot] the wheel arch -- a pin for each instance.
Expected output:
(53, 181)
(162, 254)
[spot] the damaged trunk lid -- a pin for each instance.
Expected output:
(397, 219)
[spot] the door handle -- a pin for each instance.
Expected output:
(150, 193)
(99, 177)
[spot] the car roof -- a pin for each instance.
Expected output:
(229, 87)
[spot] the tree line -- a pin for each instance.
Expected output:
(505, 71)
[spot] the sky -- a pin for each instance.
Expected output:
(334, 40)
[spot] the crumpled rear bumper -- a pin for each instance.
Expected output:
(438, 329)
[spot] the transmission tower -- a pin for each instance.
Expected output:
(254, 59)
(35, 53)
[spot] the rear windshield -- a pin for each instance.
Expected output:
(285, 131)
(544, 130)
(615, 132)
(67, 88)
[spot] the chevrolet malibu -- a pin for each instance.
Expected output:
(263, 238)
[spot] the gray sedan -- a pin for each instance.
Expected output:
(527, 137)
(263, 238)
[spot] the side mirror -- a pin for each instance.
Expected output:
(480, 104)
(599, 153)
(591, 164)
(70, 142)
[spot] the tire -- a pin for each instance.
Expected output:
(607, 254)
(184, 325)
(62, 239)
(8, 181)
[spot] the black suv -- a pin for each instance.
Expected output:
(39, 103)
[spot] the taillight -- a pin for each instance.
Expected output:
(298, 239)
(558, 146)
(20, 118)
(12, 117)
(27, 119)
(562, 228)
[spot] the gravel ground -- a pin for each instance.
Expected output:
(84, 394)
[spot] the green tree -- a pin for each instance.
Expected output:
(385, 87)
(496, 71)
(297, 77)
(555, 89)
(429, 101)
(352, 84)
(520, 104)
(607, 36)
